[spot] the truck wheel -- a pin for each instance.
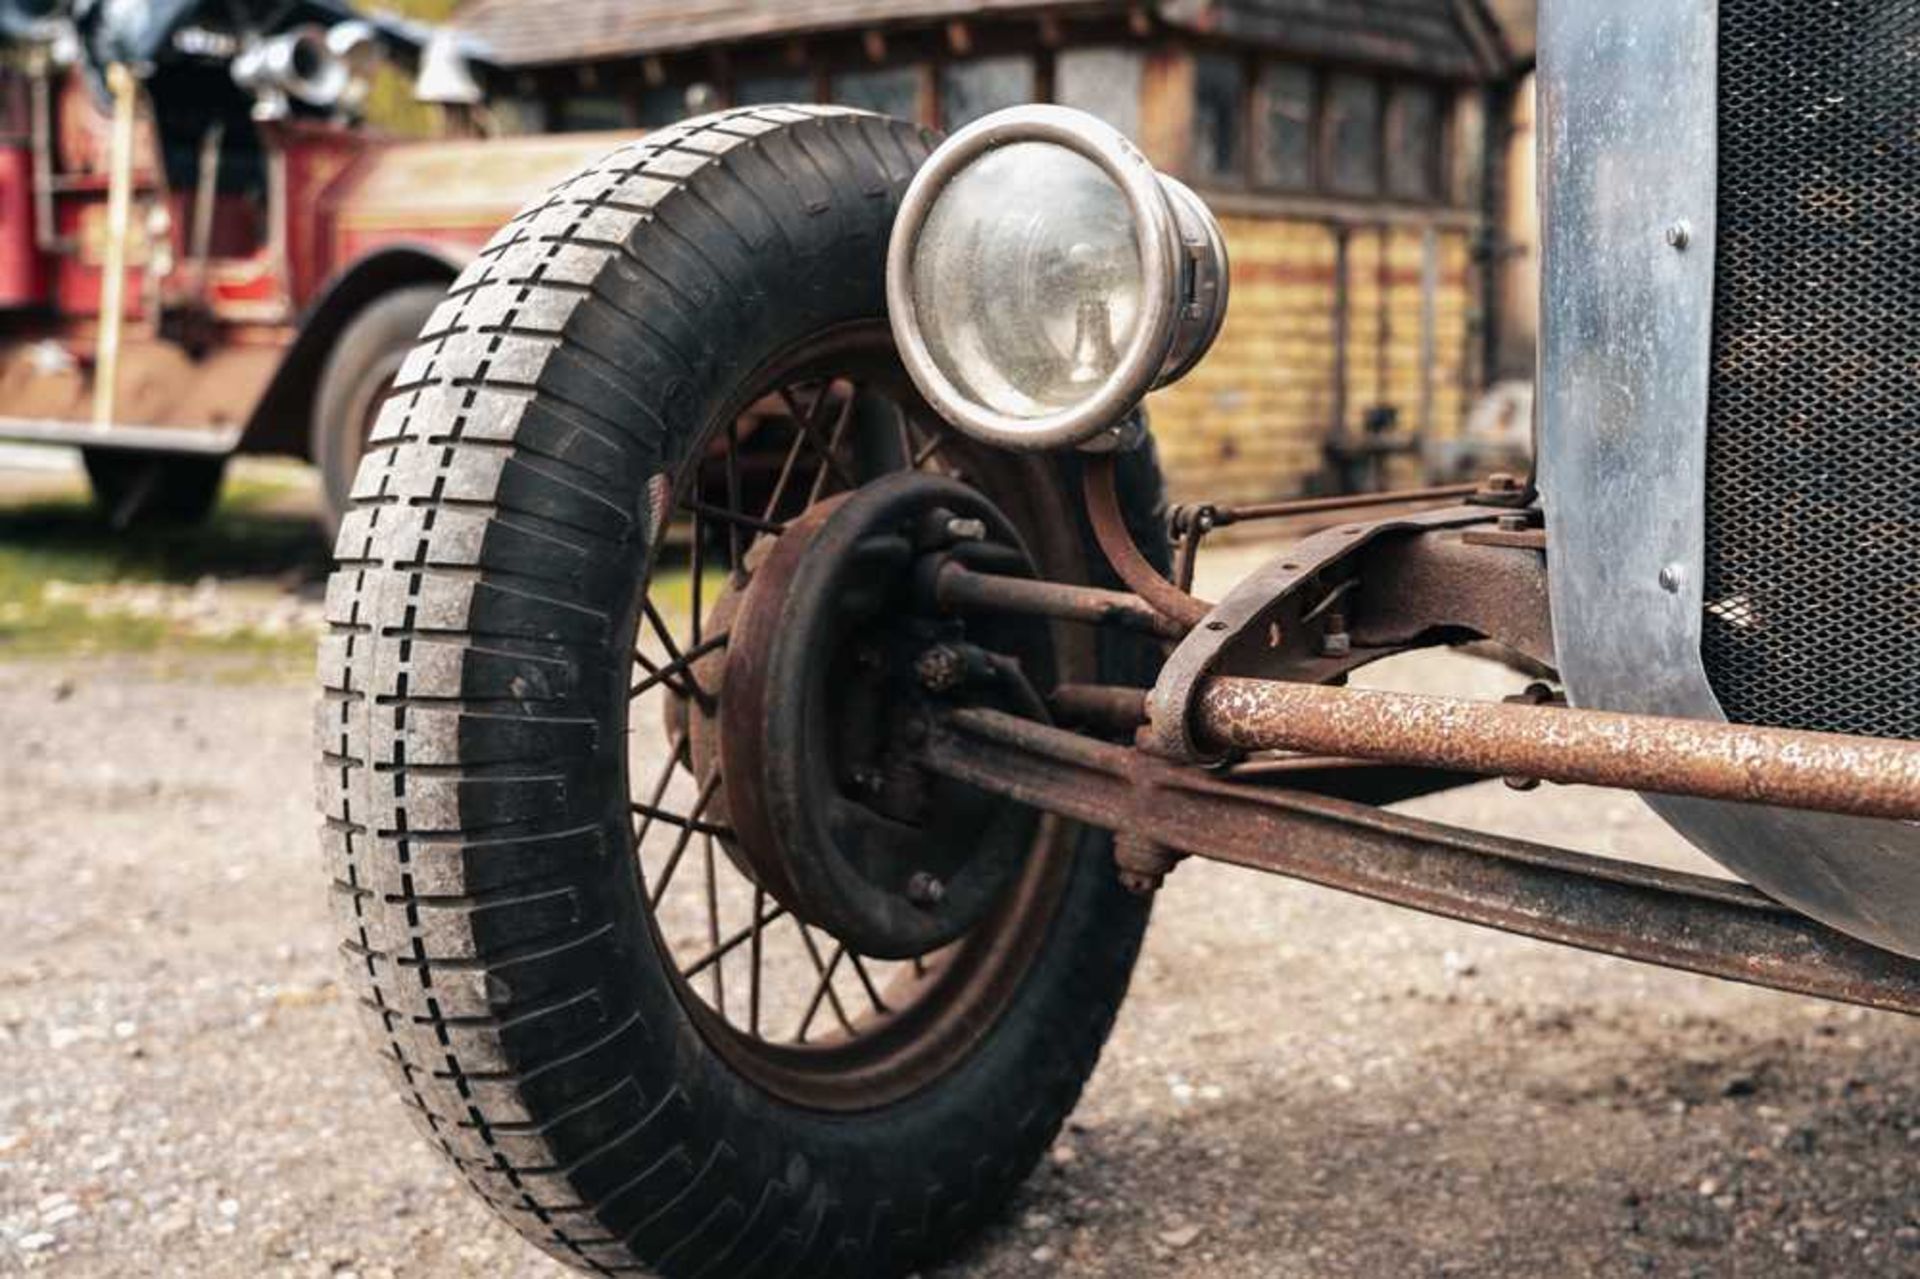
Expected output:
(579, 967)
(139, 489)
(358, 374)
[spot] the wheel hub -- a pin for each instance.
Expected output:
(835, 661)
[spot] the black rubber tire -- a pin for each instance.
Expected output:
(476, 821)
(363, 362)
(136, 488)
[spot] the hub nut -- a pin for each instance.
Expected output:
(830, 657)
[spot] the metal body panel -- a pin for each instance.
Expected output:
(1628, 134)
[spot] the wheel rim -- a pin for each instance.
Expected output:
(790, 1006)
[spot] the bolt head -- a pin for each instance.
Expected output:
(926, 890)
(1679, 235)
(940, 669)
(1672, 578)
(962, 529)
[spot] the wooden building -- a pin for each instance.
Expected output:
(1351, 149)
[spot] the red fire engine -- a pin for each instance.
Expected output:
(205, 252)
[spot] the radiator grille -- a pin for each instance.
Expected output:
(1813, 448)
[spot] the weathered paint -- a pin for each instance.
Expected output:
(458, 192)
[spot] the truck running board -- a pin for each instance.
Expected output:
(144, 439)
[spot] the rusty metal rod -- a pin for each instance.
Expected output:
(1109, 707)
(1677, 920)
(1120, 710)
(1116, 542)
(1224, 515)
(959, 588)
(1824, 772)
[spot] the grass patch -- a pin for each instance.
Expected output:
(62, 571)
(243, 586)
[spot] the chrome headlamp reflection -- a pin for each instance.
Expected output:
(1043, 278)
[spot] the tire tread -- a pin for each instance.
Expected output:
(456, 748)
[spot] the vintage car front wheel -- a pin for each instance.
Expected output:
(359, 372)
(661, 417)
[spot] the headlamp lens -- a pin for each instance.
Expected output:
(1028, 280)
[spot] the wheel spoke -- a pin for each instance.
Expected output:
(674, 656)
(654, 813)
(866, 981)
(809, 427)
(935, 442)
(735, 548)
(735, 940)
(802, 416)
(713, 930)
(833, 441)
(707, 789)
(698, 568)
(736, 521)
(787, 465)
(659, 792)
(825, 989)
(659, 629)
(680, 682)
(753, 991)
(905, 429)
(678, 674)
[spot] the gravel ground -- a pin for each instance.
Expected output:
(1300, 1084)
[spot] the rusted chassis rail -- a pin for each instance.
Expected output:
(1677, 920)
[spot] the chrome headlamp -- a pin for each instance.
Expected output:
(1043, 278)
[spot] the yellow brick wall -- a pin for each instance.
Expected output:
(1249, 424)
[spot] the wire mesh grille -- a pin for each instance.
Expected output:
(1813, 444)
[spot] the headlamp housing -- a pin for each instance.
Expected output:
(1042, 278)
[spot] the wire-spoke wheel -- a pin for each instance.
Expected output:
(590, 964)
(794, 1006)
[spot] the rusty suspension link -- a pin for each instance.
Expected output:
(1173, 599)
